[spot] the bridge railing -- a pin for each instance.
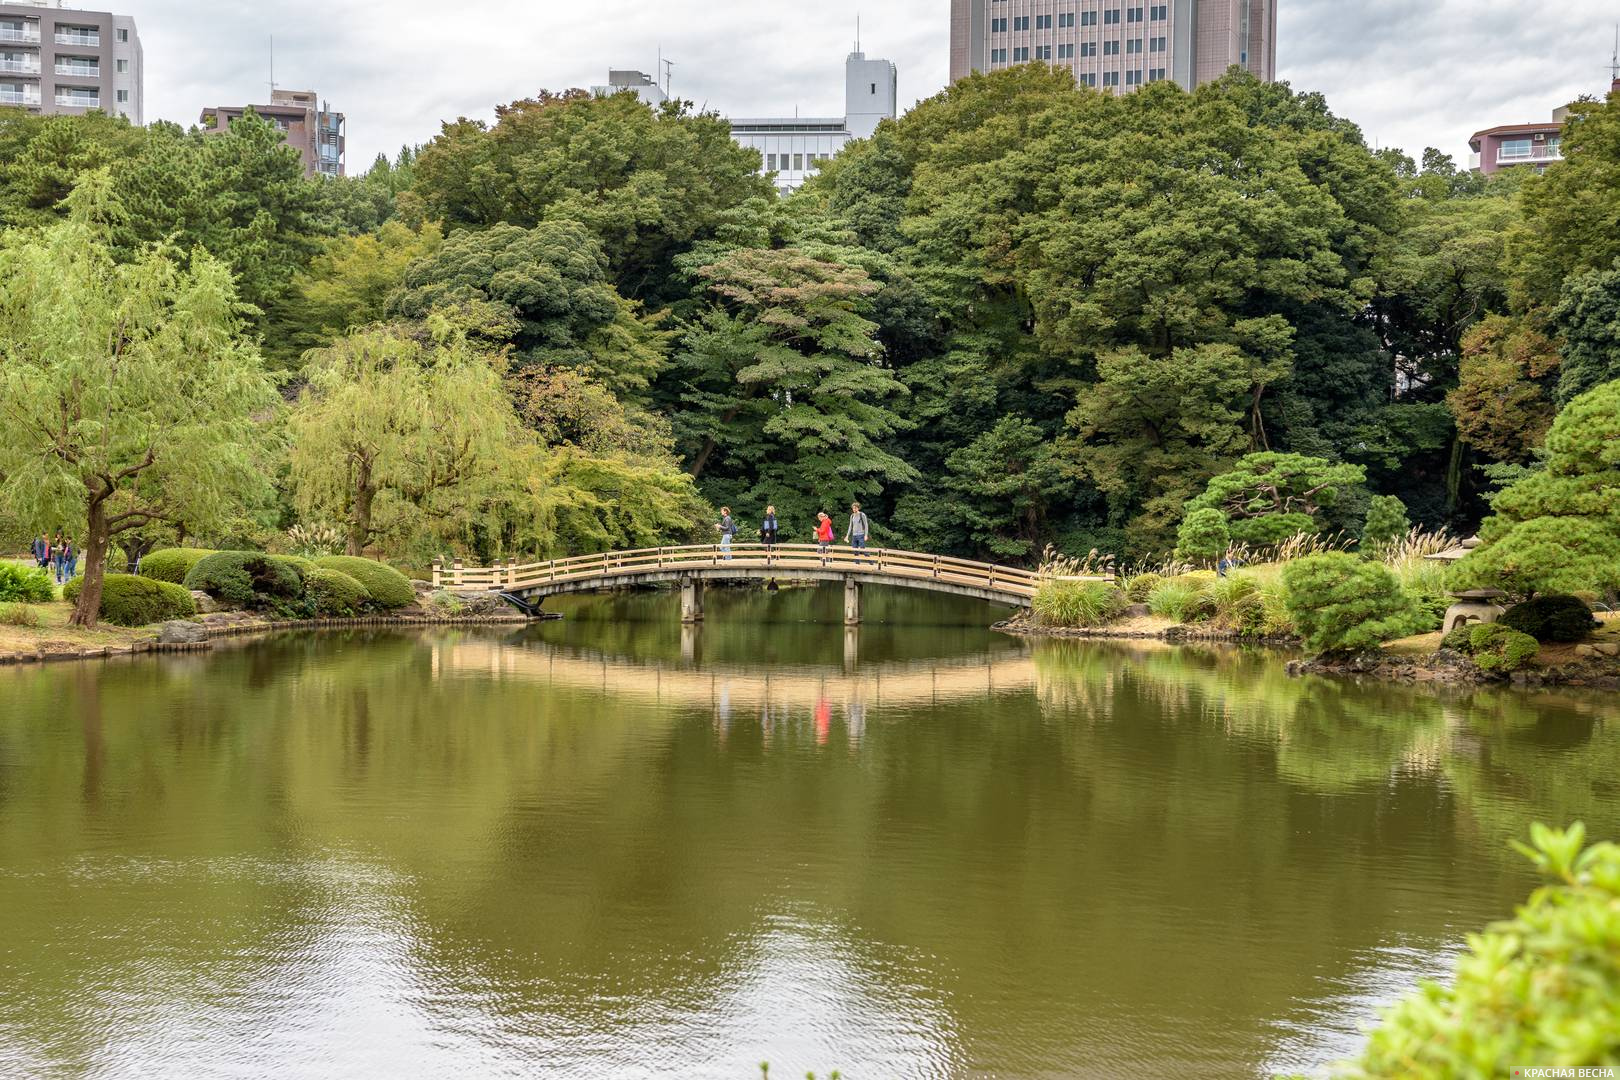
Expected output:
(608, 566)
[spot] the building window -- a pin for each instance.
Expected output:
(998, 26)
(1043, 22)
(1110, 78)
(798, 162)
(1134, 14)
(1555, 146)
(1088, 48)
(1088, 78)
(1020, 22)
(1020, 55)
(1157, 44)
(1088, 18)
(1134, 45)
(1066, 52)
(998, 56)
(1110, 48)
(1156, 75)
(122, 65)
(1065, 19)
(1159, 12)
(1515, 148)
(123, 95)
(1133, 78)
(1043, 52)
(1111, 17)
(123, 37)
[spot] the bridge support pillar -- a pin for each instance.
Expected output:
(852, 602)
(691, 600)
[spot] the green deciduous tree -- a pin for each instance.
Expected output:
(1587, 318)
(1558, 530)
(127, 390)
(1001, 486)
(1503, 400)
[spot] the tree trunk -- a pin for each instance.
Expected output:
(360, 517)
(87, 612)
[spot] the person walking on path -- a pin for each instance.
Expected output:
(42, 551)
(768, 528)
(71, 558)
(727, 529)
(859, 528)
(58, 556)
(824, 532)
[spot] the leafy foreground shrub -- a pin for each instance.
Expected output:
(1077, 603)
(1138, 587)
(127, 600)
(1555, 617)
(172, 564)
(249, 579)
(1499, 650)
(1341, 603)
(25, 584)
(1458, 640)
(1180, 599)
(1542, 988)
(389, 588)
(336, 595)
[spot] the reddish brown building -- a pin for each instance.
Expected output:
(1538, 145)
(310, 127)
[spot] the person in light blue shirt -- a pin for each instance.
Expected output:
(727, 529)
(859, 528)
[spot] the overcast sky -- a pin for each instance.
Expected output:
(1411, 74)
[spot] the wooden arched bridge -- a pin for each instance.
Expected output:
(528, 584)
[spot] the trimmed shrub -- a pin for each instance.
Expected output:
(1204, 536)
(1555, 617)
(1498, 650)
(1138, 587)
(389, 588)
(1458, 640)
(1180, 600)
(1541, 988)
(249, 579)
(336, 595)
(1386, 523)
(1077, 603)
(172, 564)
(127, 600)
(1341, 603)
(25, 584)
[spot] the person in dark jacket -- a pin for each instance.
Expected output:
(769, 528)
(58, 556)
(727, 529)
(42, 551)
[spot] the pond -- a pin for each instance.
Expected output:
(608, 847)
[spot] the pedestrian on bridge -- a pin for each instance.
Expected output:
(768, 528)
(727, 529)
(824, 532)
(859, 528)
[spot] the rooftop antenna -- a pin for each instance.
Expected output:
(857, 31)
(1614, 61)
(272, 65)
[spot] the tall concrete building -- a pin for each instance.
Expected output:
(64, 60)
(310, 126)
(1117, 45)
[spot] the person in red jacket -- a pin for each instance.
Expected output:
(824, 531)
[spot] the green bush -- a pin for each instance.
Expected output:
(1078, 603)
(19, 615)
(1540, 989)
(1181, 600)
(127, 600)
(172, 564)
(1341, 603)
(1500, 650)
(249, 579)
(336, 595)
(1555, 617)
(1386, 523)
(1204, 536)
(1458, 640)
(1138, 587)
(389, 588)
(25, 584)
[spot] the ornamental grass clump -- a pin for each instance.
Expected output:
(1077, 603)
(1542, 988)
(1183, 599)
(1344, 604)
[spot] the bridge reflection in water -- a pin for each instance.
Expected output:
(781, 696)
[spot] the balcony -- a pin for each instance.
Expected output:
(79, 71)
(77, 101)
(19, 67)
(91, 38)
(18, 97)
(1539, 153)
(28, 35)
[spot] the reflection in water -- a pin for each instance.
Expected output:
(581, 850)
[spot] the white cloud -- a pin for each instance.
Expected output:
(1410, 75)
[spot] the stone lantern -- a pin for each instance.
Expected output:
(1473, 605)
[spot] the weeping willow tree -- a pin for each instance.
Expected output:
(127, 391)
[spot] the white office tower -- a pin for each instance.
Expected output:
(871, 92)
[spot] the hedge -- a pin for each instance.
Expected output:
(336, 595)
(173, 564)
(250, 579)
(127, 600)
(1556, 617)
(389, 588)
(25, 584)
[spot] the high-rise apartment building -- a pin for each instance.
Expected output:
(63, 60)
(1117, 45)
(310, 126)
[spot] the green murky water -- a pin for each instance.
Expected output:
(608, 848)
